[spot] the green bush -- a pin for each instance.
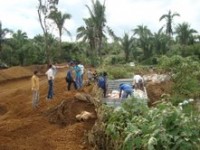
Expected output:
(186, 72)
(135, 126)
(116, 71)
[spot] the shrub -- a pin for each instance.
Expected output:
(135, 126)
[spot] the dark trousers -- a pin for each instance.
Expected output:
(104, 91)
(50, 90)
(69, 82)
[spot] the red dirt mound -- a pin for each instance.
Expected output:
(155, 90)
(14, 73)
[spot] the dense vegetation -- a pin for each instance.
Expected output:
(92, 46)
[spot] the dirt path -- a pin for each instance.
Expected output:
(22, 128)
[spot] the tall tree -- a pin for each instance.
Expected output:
(3, 32)
(45, 7)
(20, 46)
(127, 44)
(59, 20)
(87, 34)
(169, 21)
(160, 42)
(97, 14)
(185, 33)
(144, 39)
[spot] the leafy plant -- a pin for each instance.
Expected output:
(135, 126)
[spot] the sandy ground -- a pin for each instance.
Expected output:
(22, 128)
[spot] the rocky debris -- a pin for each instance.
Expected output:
(85, 115)
(86, 98)
(56, 115)
(156, 78)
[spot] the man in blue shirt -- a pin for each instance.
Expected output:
(102, 83)
(78, 76)
(125, 90)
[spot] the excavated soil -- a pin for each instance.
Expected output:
(155, 90)
(25, 128)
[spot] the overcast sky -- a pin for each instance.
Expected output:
(122, 15)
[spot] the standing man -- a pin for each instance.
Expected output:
(35, 89)
(78, 76)
(50, 77)
(82, 72)
(138, 82)
(70, 78)
(125, 90)
(51, 73)
(102, 83)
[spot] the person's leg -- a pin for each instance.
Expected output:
(37, 98)
(50, 91)
(81, 81)
(34, 98)
(68, 85)
(53, 88)
(124, 94)
(77, 82)
(129, 93)
(104, 92)
(75, 86)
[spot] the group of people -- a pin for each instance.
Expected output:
(50, 73)
(74, 76)
(127, 89)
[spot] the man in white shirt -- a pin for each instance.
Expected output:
(51, 72)
(50, 77)
(138, 82)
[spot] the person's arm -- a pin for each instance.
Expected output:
(120, 92)
(33, 83)
(61, 66)
(37, 83)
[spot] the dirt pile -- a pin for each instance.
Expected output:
(18, 72)
(155, 90)
(65, 113)
(14, 73)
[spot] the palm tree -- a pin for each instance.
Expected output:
(169, 20)
(19, 44)
(144, 39)
(161, 42)
(59, 20)
(3, 33)
(44, 8)
(97, 15)
(185, 33)
(127, 44)
(87, 34)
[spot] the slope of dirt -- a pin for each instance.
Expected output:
(22, 128)
(155, 90)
